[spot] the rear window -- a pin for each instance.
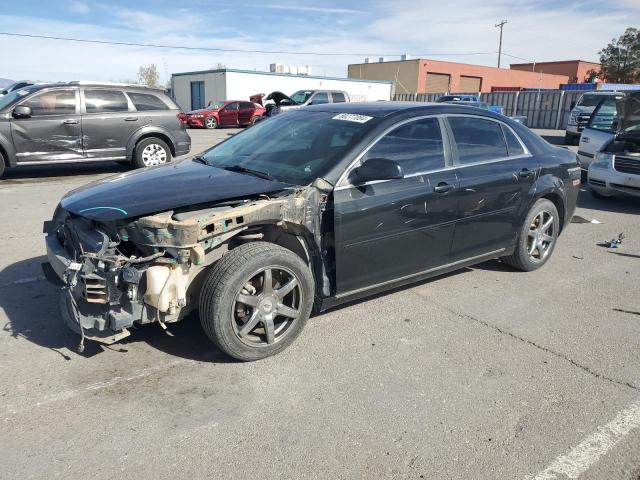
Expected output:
(513, 144)
(338, 97)
(478, 139)
(145, 102)
(101, 101)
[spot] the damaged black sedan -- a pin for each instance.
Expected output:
(303, 211)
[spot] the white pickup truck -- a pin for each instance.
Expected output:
(581, 113)
(612, 147)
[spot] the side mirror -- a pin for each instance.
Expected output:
(376, 169)
(572, 106)
(21, 112)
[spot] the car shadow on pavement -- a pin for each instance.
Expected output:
(54, 172)
(613, 204)
(32, 309)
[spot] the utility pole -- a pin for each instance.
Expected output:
(501, 25)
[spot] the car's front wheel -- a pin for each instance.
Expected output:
(210, 122)
(537, 238)
(256, 300)
(152, 151)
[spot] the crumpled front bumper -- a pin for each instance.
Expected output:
(93, 321)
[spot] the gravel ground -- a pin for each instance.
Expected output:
(486, 373)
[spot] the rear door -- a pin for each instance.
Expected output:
(385, 230)
(229, 114)
(108, 122)
(599, 131)
(245, 113)
(496, 175)
(53, 132)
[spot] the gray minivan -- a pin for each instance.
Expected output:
(90, 122)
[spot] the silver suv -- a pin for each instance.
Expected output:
(89, 122)
(581, 113)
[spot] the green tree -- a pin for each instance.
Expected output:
(621, 58)
(148, 75)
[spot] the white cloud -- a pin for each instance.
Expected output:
(80, 8)
(303, 8)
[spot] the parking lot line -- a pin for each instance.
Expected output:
(589, 451)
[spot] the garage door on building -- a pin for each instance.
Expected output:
(470, 84)
(437, 82)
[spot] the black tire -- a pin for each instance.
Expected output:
(210, 123)
(224, 285)
(521, 258)
(139, 152)
(2, 165)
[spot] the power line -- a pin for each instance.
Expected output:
(230, 50)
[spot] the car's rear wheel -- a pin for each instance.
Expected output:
(210, 123)
(2, 165)
(256, 300)
(537, 238)
(152, 151)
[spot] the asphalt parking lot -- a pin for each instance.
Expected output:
(486, 373)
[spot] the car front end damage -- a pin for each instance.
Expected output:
(115, 274)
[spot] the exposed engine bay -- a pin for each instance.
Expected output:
(147, 269)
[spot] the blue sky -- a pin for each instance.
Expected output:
(541, 30)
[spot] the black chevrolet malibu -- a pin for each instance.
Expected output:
(303, 211)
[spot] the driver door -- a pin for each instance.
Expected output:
(53, 132)
(390, 229)
(229, 114)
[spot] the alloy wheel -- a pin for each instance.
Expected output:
(210, 122)
(267, 306)
(541, 236)
(153, 154)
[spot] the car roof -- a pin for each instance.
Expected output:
(385, 109)
(96, 84)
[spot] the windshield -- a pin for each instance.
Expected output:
(589, 100)
(215, 105)
(295, 148)
(14, 96)
(301, 96)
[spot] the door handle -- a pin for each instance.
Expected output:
(131, 119)
(70, 121)
(443, 187)
(525, 173)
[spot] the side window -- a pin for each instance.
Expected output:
(338, 97)
(146, 102)
(319, 98)
(513, 144)
(232, 106)
(417, 146)
(246, 105)
(56, 102)
(605, 115)
(477, 139)
(105, 101)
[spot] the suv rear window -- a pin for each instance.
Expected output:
(99, 101)
(338, 97)
(478, 139)
(145, 102)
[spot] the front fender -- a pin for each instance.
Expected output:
(7, 149)
(146, 131)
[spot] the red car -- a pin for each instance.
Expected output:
(231, 113)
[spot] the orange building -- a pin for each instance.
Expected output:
(576, 70)
(428, 76)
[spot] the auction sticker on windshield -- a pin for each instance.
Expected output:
(352, 117)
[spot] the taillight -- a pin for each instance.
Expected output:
(182, 118)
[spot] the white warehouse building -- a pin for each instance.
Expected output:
(194, 90)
